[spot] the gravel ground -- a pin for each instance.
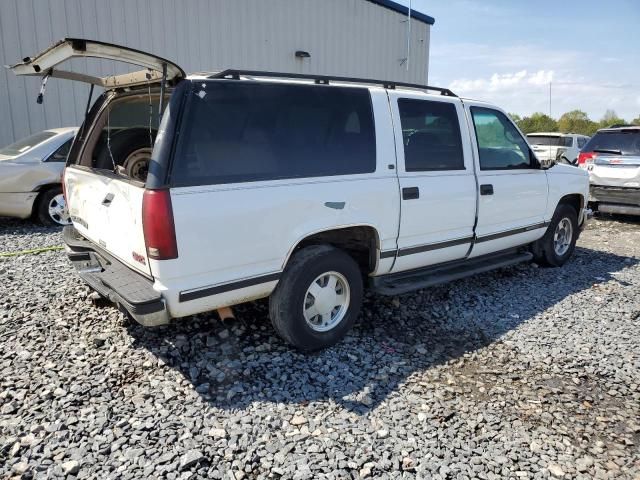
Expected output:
(521, 373)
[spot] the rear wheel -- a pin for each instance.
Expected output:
(558, 243)
(51, 208)
(317, 299)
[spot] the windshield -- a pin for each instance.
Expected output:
(26, 144)
(549, 140)
(627, 142)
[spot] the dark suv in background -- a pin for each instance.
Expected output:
(612, 158)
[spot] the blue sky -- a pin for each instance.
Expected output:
(506, 52)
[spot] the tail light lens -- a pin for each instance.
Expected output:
(157, 224)
(64, 188)
(585, 158)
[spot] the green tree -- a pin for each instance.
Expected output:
(516, 118)
(611, 118)
(538, 122)
(577, 121)
(636, 121)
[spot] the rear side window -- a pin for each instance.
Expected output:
(625, 142)
(242, 132)
(582, 141)
(431, 136)
(60, 155)
(550, 140)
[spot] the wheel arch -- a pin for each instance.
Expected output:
(361, 241)
(41, 190)
(576, 200)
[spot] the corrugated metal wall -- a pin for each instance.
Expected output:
(344, 37)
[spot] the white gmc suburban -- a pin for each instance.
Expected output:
(298, 188)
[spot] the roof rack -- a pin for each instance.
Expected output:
(325, 79)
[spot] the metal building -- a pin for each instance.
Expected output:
(358, 38)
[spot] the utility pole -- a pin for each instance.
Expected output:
(409, 36)
(550, 99)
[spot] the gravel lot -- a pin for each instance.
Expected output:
(521, 373)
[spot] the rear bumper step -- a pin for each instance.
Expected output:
(404, 282)
(115, 281)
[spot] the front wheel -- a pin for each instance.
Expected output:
(317, 299)
(558, 243)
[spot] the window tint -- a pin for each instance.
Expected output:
(60, 155)
(581, 142)
(500, 144)
(241, 132)
(26, 144)
(625, 142)
(431, 136)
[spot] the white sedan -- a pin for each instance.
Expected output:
(30, 176)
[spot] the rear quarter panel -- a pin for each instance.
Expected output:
(233, 232)
(28, 176)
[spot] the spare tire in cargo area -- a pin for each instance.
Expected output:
(130, 151)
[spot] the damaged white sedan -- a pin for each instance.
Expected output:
(31, 175)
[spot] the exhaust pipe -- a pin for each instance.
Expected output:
(225, 314)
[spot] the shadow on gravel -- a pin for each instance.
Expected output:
(233, 365)
(625, 219)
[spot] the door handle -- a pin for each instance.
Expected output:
(108, 199)
(486, 189)
(410, 193)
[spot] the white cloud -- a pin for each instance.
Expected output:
(502, 81)
(541, 77)
(517, 78)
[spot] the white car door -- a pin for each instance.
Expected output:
(512, 189)
(437, 183)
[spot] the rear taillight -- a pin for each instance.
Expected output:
(157, 224)
(64, 188)
(585, 158)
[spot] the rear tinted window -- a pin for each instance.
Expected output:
(60, 155)
(242, 132)
(431, 135)
(626, 142)
(26, 144)
(550, 140)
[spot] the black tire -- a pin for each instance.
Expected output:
(42, 208)
(122, 144)
(544, 250)
(287, 302)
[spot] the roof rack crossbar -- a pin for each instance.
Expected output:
(325, 79)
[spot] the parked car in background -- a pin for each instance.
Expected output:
(263, 185)
(31, 174)
(612, 158)
(557, 147)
